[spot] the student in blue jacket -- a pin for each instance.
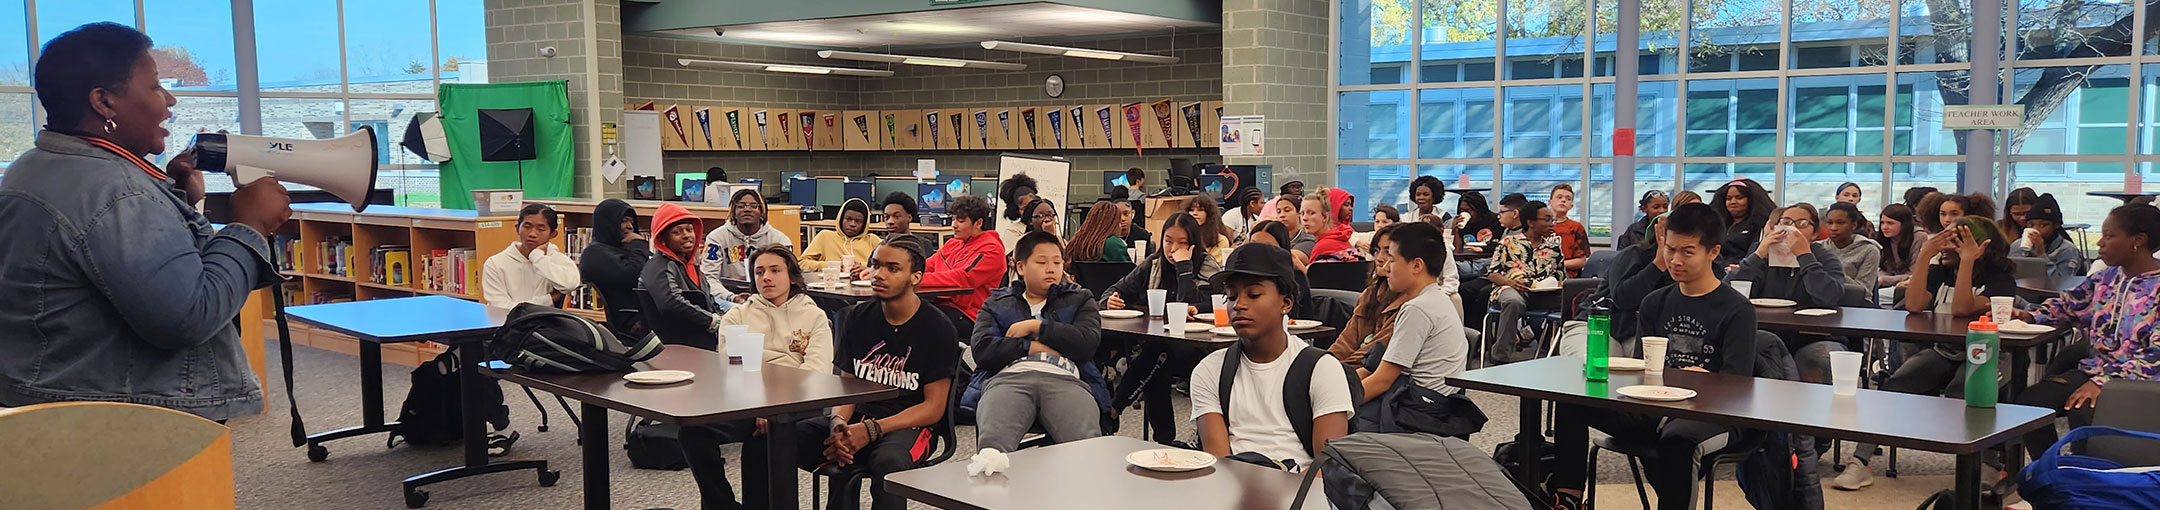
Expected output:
(1033, 344)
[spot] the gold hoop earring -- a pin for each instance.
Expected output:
(110, 126)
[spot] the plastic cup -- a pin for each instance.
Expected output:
(751, 350)
(1175, 319)
(1746, 288)
(1142, 247)
(1999, 308)
(1133, 254)
(1653, 354)
(1844, 373)
(1222, 309)
(847, 261)
(1155, 300)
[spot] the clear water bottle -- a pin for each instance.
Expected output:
(1597, 361)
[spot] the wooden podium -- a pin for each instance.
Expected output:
(1159, 209)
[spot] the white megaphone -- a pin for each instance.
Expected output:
(343, 166)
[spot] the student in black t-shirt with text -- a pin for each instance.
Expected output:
(897, 340)
(1710, 328)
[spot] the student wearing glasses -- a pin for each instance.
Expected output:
(727, 249)
(1523, 261)
(1789, 265)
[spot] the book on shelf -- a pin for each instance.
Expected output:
(288, 250)
(575, 241)
(453, 270)
(392, 264)
(334, 256)
(585, 297)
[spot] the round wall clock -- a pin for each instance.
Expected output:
(1054, 85)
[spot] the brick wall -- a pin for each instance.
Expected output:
(1276, 66)
(587, 37)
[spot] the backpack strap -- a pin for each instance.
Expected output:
(1232, 357)
(1297, 393)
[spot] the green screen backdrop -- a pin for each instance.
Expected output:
(545, 176)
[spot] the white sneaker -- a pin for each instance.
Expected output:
(1856, 476)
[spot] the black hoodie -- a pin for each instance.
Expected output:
(612, 266)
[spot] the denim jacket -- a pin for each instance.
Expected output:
(118, 290)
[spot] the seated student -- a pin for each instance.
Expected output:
(1816, 281)
(2118, 312)
(1174, 266)
(852, 238)
(1426, 193)
(1042, 216)
(797, 335)
(1021, 340)
(1637, 269)
(681, 312)
(1372, 320)
(1015, 194)
(1302, 240)
(972, 259)
(1747, 206)
(1475, 223)
(1977, 267)
(1241, 218)
(531, 269)
(1097, 238)
(1327, 214)
(1382, 216)
(897, 340)
(1215, 236)
(1273, 233)
(1427, 343)
(612, 263)
(727, 250)
(1130, 224)
(1900, 237)
(1519, 262)
(2045, 238)
(1574, 237)
(1652, 204)
(1860, 256)
(1710, 327)
(1255, 422)
(900, 214)
(1510, 215)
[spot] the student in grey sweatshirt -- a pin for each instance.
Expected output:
(726, 253)
(1861, 256)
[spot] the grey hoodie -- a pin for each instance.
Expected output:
(727, 249)
(1862, 259)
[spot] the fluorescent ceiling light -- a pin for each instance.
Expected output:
(1046, 49)
(920, 61)
(782, 68)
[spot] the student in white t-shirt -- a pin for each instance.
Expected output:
(1260, 281)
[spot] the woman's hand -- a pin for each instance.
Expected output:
(1936, 244)
(2085, 396)
(182, 168)
(1180, 254)
(1776, 238)
(1967, 249)
(1116, 302)
(1798, 245)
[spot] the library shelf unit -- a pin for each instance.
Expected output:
(313, 278)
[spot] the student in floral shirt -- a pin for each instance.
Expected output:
(2118, 311)
(1524, 261)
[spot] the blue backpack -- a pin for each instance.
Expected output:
(2075, 482)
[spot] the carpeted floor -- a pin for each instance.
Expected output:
(362, 474)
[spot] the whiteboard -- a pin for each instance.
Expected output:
(1052, 177)
(641, 142)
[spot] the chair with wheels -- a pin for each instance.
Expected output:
(849, 478)
(2128, 405)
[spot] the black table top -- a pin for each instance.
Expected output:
(1889, 418)
(717, 392)
(1887, 324)
(1092, 474)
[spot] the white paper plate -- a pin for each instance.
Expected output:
(1545, 289)
(1170, 459)
(1772, 302)
(1194, 327)
(860, 283)
(826, 285)
(1303, 324)
(1204, 317)
(1815, 312)
(1223, 331)
(2018, 327)
(1624, 364)
(1656, 393)
(657, 376)
(1122, 314)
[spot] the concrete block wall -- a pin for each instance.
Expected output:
(587, 37)
(1276, 65)
(653, 74)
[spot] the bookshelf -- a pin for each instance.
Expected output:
(333, 254)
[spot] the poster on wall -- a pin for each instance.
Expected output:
(1230, 139)
(1255, 135)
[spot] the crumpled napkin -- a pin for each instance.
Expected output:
(988, 462)
(1779, 256)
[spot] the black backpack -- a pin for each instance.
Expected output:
(540, 338)
(1297, 398)
(431, 415)
(651, 444)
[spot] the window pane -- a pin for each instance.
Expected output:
(1657, 117)
(1545, 39)
(1373, 185)
(194, 42)
(1921, 41)
(2149, 125)
(1455, 123)
(1917, 112)
(385, 51)
(14, 49)
(1735, 35)
(16, 132)
(200, 115)
(2076, 113)
(314, 119)
(1705, 178)
(2070, 189)
(1905, 176)
(2073, 28)
(55, 18)
(1835, 115)
(461, 39)
(1373, 124)
(1594, 206)
(1817, 184)
(299, 51)
(412, 187)
(1840, 33)
(1544, 121)
(1659, 40)
(1375, 37)
(1536, 181)
(1732, 117)
(1458, 40)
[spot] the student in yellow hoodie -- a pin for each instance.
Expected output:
(853, 238)
(797, 335)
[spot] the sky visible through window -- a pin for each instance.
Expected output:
(296, 39)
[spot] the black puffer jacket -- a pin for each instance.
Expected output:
(613, 266)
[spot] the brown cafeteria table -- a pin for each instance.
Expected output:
(1887, 418)
(1901, 325)
(1091, 474)
(718, 392)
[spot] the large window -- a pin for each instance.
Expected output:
(1801, 95)
(324, 68)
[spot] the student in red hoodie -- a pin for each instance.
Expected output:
(1327, 214)
(974, 258)
(680, 313)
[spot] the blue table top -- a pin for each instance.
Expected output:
(408, 319)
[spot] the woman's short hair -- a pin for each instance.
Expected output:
(93, 56)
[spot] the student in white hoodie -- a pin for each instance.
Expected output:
(532, 268)
(727, 249)
(797, 335)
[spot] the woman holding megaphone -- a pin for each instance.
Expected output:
(117, 288)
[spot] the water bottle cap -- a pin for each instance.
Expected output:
(1982, 324)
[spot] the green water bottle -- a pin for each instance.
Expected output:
(1982, 346)
(1597, 349)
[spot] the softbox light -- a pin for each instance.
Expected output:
(506, 135)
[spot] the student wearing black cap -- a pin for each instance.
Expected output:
(2044, 237)
(1255, 423)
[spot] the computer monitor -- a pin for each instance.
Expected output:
(1112, 180)
(933, 197)
(787, 181)
(957, 186)
(864, 190)
(1215, 186)
(804, 189)
(689, 189)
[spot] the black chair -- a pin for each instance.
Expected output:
(851, 477)
(1571, 293)
(2030, 267)
(1097, 277)
(1350, 276)
(2127, 405)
